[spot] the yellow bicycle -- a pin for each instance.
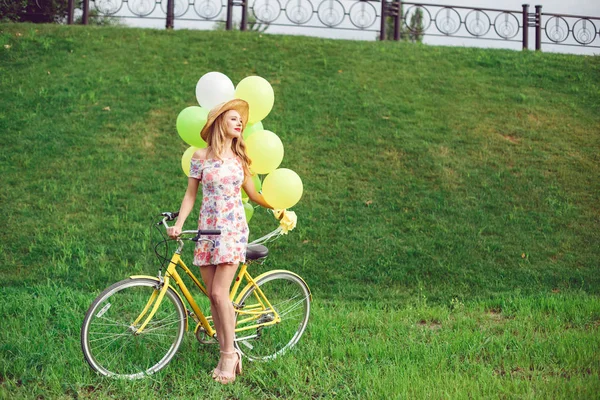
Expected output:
(135, 327)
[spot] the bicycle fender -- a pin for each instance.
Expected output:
(248, 286)
(154, 278)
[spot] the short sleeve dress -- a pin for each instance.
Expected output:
(222, 208)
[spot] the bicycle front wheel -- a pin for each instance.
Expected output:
(289, 297)
(108, 335)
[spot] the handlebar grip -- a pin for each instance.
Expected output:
(170, 215)
(205, 232)
(209, 232)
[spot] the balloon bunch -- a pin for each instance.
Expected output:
(281, 187)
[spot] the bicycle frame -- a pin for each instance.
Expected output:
(263, 305)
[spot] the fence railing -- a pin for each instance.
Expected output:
(459, 21)
(332, 14)
(397, 20)
(571, 30)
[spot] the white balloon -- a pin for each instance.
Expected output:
(213, 89)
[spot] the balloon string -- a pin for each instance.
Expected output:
(268, 236)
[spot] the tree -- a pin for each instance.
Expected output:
(416, 26)
(414, 33)
(39, 11)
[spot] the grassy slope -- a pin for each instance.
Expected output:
(451, 200)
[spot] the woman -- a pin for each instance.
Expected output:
(223, 168)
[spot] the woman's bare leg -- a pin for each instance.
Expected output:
(223, 307)
(208, 273)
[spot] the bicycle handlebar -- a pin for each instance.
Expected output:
(208, 232)
(170, 216)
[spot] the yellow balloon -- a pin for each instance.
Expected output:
(259, 94)
(186, 159)
(265, 150)
(282, 188)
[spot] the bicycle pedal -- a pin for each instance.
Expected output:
(203, 337)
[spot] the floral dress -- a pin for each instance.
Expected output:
(222, 208)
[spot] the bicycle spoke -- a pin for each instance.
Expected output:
(114, 322)
(117, 353)
(162, 326)
(293, 307)
(108, 336)
(105, 346)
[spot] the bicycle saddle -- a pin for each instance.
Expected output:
(256, 251)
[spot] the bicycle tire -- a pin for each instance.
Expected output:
(290, 297)
(107, 336)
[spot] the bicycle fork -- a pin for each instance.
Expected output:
(156, 298)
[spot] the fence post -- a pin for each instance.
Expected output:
(397, 19)
(525, 26)
(384, 5)
(70, 7)
(170, 13)
(538, 27)
(244, 23)
(229, 22)
(86, 12)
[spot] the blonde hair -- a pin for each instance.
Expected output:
(216, 139)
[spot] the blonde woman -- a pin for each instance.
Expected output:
(223, 168)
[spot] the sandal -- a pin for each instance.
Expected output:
(225, 377)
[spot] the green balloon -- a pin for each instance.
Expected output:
(190, 122)
(248, 211)
(257, 186)
(257, 182)
(250, 129)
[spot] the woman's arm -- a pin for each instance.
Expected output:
(186, 206)
(256, 197)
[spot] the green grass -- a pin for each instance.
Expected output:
(449, 226)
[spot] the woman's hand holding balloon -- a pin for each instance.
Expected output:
(279, 213)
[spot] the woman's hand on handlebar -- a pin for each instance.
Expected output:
(174, 232)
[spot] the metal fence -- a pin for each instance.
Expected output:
(386, 20)
(331, 14)
(570, 30)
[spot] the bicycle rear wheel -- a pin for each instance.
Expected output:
(108, 338)
(290, 298)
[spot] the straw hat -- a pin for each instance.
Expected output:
(238, 105)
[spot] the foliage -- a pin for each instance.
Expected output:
(12, 10)
(96, 18)
(416, 28)
(47, 11)
(33, 10)
(253, 25)
(412, 32)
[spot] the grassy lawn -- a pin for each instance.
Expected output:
(449, 228)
